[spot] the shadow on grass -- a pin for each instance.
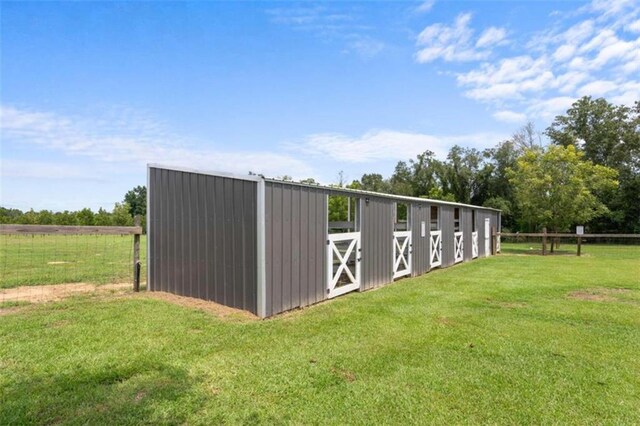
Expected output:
(105, 394)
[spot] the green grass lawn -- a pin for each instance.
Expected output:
(510, 339)
(58, 259)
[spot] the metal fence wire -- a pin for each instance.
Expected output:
(44, 267)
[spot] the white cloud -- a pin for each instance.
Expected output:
(328, 24)
(568, 82)
(509, 79)
(123, 141)
(510, 116)
(628, 93)
(492, 36)
(425, 6)
(364, 46)
(597, 88)
(592, 51)
(45, 170)
(547, 109)
(633, 27)
(449, 42)
(378, 145)
(564, 52)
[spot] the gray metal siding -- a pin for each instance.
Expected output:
(494, 222)
(296, 235)
(467, 230)
(202, 239)
(446, 224)
(420, 245)
(376, 242)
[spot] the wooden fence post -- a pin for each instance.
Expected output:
(579, 245)
(136, 256)
(494, 241)
(544, 241)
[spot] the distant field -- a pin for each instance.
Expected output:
(57, 259)
(513, 339)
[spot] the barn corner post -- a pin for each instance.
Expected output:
(136, 254)
(261, 279)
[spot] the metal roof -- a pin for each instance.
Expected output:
(257, 178)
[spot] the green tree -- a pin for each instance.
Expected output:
(136, 199)
(309, 181)
(29, 218)
(557, 187)
(425, 176)
(374, 182)
(45, 217)
(436, 193)
(461, 173)
(102, 218)
(85, 217)
(401, 180)
(10, 215)
(121, 215)
(65, 218)
(609, 135)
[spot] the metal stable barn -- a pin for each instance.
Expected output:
(267, 246)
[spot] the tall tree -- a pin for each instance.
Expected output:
(401, 180)
(609, 135)
(121, 215)
(461, 176)
(85, 217)
(557, 187)
(374, 182)
(136, 199)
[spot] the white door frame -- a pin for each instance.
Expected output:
(435, 249)
(401, 253)
(352, 271)
(487, 237)
(458, 247)
(474, 244)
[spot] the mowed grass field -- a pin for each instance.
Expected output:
(58, 259)
(509, 340)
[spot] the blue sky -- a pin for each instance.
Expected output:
(91, 92)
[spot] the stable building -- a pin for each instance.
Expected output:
(268, 246)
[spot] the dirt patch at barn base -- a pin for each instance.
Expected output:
(50, 293)
(200, 304)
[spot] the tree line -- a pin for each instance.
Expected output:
(584, 169)
(587, 174)
(134, 203)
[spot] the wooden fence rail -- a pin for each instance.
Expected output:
(136, 231)
(545, 235)
(69, 230)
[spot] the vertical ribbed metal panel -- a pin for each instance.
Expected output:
(203, 237)
(296, 235)
(482, 215)
(467, 229)
(377, 242)
(446, 223)
(420, 244)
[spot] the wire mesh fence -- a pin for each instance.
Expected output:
(42, 267)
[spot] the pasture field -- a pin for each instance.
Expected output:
(27, 260)
(513, 339)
